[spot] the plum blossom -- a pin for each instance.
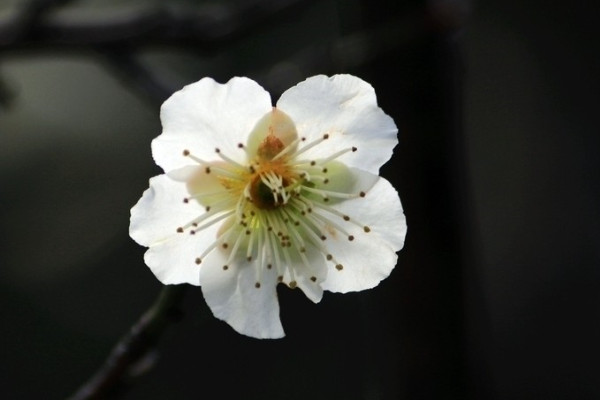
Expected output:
(255, 195)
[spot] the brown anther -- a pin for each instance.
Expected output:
(339, 267)
(217, 150)
(257, 285)
(313, 278)
(225, 267)
(362, 194)
(346, 218)
(249, 258)
(350, 238)
(329, 257)
(224, 245)
(198, 260)
(326, 136)
(326, 181)
(207, 208)
(186, 200)
(323, 237)
(207, 170)
(313, 163)
(292, 284)
(240, 146)
(179, 230)
(186, 153)
(269, 266)
(280, 278)
(324, 170)
(367, 229)
(354, 149)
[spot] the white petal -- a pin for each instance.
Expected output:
(173, 261)
(207, 115)
(345, 180)
(304, 273)
(232, 296)
(346, 108)
(382, 211)
(161, 210)
(371, 256)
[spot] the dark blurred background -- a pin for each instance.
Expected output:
(495, 295)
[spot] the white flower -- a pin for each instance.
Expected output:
(254, 195)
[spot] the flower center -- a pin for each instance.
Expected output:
(272, 180)
(277, 208)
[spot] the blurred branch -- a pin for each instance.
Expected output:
(25, 19)
(201, 27)
(125, 65)
(117, 33)
(350, 51)
(132, 356)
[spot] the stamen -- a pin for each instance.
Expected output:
(211, 167)
(311, 145)
(212, 222)
(260, 254)
(201, 218)
(344, 217)
(326, 220)
(330, 193)
(207, 250)
(270, 245)
(336, 155)
(315, 240)
(226, 173)
(234, 250)
(198, 196)
(287, 149)
(288, 259)
(187, 153)
(229, 160)
(298, 242)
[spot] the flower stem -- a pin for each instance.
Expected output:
(134, 347)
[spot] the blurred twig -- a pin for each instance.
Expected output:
(25, 19)
(133, 72)
(203, 27)
(135, 347)
(118, 33)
